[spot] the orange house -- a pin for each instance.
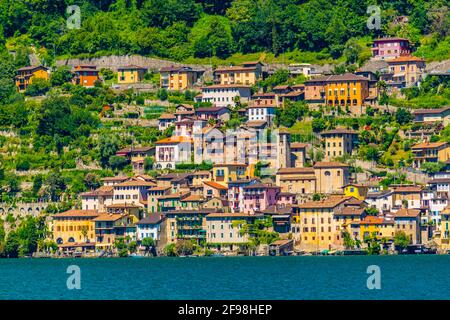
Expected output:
(85, 75)
(26, 75)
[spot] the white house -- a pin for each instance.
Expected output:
(434, 203)
(224, 95)
(383, 200)
(173, 150)
(261, 113)
(97, 199)
(150, 227)
(132, 192)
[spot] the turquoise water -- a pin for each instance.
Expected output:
(402, 277)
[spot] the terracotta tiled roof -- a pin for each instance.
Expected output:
(411, 189)
(330, 202)
(406, 59)
(77, 214)
(330, 165)
(108, 217)
(369, 220)
(174, 140)
(298, 145)
(428, 145)
(404, 213)
(135, 183)
(167, 116)
(215, 185)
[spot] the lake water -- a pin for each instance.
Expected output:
(234, 278)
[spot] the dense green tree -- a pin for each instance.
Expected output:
(108, 146)
(403, 116)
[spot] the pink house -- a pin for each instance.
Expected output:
(286, 199)
(258, 197)
(390, 48)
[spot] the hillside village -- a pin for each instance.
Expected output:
(243, 159)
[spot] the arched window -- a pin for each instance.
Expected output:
(327, 173)
(71, 240)
(59, 241)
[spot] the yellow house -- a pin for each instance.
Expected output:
(378, 226)
(339, 142)
(74, 227)
(444, 239)
(356, 190)
(318, 228)
(347, 90)
(26, 75)
(198, 177)
(178, 78)
(247, 73)
(331, 176)
(296, 180)
(222, 173)
(130, 74)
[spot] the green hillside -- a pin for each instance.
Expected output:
(317, 31)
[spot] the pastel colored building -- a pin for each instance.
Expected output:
(247, 73)
(236, 194)
(212, 189)
(75, 227)
(432, 115)
(130, 74)
(430, 152)
(390, 48)
(407, 196)
(178, 78)
(381, 200)
(344, 91)
(355, 190)
(258, 197)
(133, 192)
(152, 198)
(379, 227)
(109, 227)
(85, 75)
(26, 75)
(408, 221)
(339, 142)
(173, 150)
(214, 113)
(224, 229)
(318, 228)
(404, 72)
(444, 231)
(298, 154)
(225, 95)
(97, 199)
(261, 113)
(297, 180)
(331, 176)
(166, 120)
(223, 173)
(153, 226)
(187, 225)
